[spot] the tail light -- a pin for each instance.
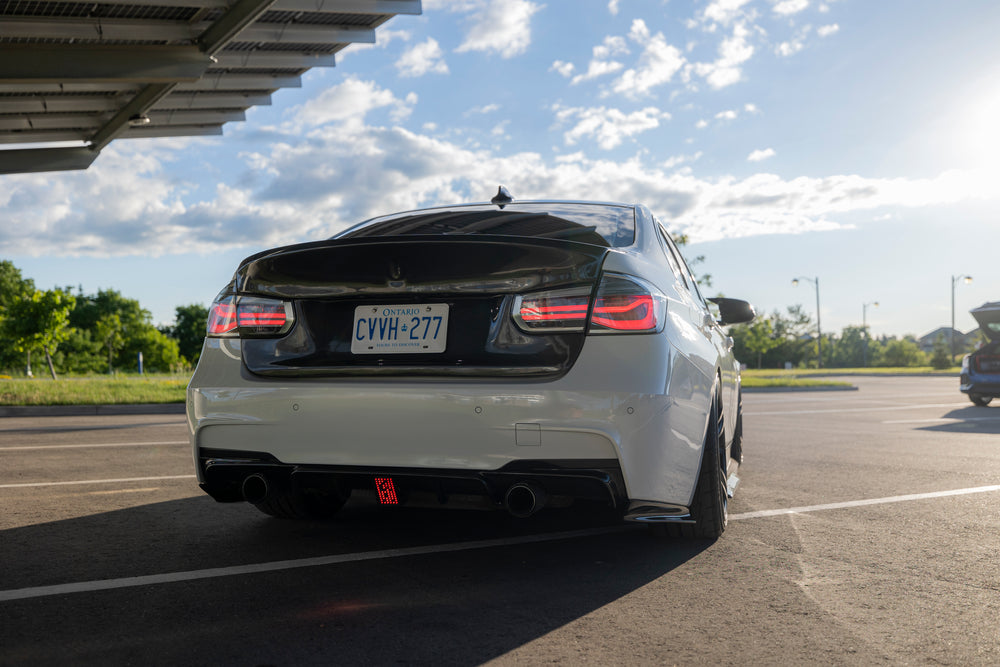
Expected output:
(623, 304)
(627, 305)
(222, 316)
(249, 316)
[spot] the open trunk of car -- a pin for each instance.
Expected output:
(427, 305)
(988, 317)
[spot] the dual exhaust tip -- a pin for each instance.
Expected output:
(522, 499)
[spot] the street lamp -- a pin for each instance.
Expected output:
(951, 334)
(819, 331)
(864, 328)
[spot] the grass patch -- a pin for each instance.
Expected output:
(97, 390)
(759, 382)
(821, 372)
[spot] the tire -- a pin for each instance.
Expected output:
(736, 448)
(290, 505)
(710, 505)
(981, 401)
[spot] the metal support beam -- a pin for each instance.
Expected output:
(27, 160)
(24, 63)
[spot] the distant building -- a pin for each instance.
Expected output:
(926, 342)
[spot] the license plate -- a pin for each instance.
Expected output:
(400, 329)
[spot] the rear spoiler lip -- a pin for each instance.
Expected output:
(309, 270)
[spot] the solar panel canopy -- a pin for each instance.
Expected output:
(75, 76)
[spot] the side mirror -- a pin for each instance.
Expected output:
(734, 311)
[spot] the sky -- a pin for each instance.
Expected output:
(851, 143)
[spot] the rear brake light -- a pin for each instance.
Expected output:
(222, 316)
(263, 317)
(623, 305)
(627, 305)
(249, 316)
(556, 311)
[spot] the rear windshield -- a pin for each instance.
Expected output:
(596, 224)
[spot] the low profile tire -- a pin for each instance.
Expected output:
(736, 450)
(290, 505)
(981, 401)
(710, 506)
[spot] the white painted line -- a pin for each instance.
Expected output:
(862, 503)
(943, 419)
(837, 410)
(95, 481)
(257, 568)
(26, 448)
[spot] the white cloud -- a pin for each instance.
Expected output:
(601, 62)
(733, 52)
(750, 107)
(761, 155)
(827, 30)
(724, 11)
(563, 68)
(789, 7)
(500, 26)
(421, 59)
(302, 187)
(728, 114)
(609, 127)
(350, 100)
(701, 124)
(613, 7)
(484, 109)
(789, 48)
(657, 64)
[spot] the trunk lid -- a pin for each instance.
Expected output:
(476, 280)
(988, 317)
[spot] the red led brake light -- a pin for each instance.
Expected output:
(547, 310)
(386, 491)
(222, 317)
(625, 312)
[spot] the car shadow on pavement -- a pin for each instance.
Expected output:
(453, 607)
(972, 419)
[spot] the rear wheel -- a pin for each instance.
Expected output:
(981, 401)
(710, 506)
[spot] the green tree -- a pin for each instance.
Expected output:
(189, 330)
(940, 355)
(39, 321)
(108, 330)
(12, 288)
(759, 339)
(901, 352)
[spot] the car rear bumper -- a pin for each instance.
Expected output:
(646, 422)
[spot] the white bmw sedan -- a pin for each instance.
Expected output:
(513, 356)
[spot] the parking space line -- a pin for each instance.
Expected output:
(943, 419)
(276, 566)
(862, 503)
(26, 448)
(839, 410)
(94, 481)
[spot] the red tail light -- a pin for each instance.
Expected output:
(627, 305)
(263, 317)
(222, 317)
(557, 311)
(623, 305)
(249, 316)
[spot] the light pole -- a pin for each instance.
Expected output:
(819, 331)
(951, 333)
(864, 328)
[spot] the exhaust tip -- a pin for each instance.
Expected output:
(255, 488)
(522, 499)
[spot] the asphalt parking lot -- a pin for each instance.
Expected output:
(865, 530)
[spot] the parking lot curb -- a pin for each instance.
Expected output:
(90, 410)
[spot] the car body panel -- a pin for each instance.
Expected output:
(640, 401)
